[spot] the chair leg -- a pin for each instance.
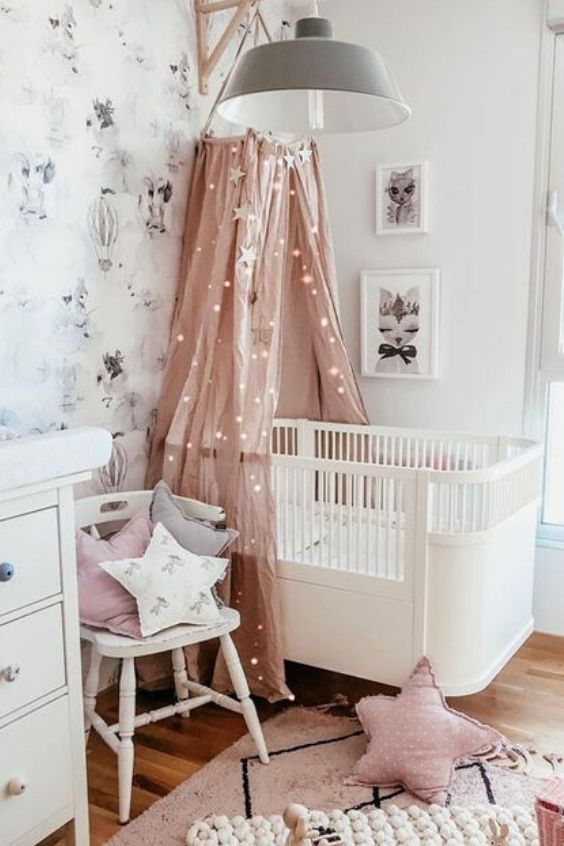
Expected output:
(126, 750)
(91, 688)
(239, 680)
(180, 676)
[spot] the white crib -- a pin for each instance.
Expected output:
(394, 543)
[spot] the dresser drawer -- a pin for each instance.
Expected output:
(30, 544)
(32, 658)
(35, 770)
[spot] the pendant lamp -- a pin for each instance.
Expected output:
(312, 83)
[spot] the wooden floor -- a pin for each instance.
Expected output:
(525, 702)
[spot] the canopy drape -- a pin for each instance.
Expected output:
(255, 332)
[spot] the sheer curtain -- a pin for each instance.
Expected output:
(255, 331)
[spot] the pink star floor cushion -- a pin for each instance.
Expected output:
(103, 602)
(415, 739)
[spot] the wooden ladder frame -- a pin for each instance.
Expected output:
(208, 58)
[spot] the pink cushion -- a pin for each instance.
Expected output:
(103, 602)
(415, 739)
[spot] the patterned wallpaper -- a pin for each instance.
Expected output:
(99, 111)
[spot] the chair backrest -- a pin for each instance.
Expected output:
(121, 506)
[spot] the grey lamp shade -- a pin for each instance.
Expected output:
(313, 83)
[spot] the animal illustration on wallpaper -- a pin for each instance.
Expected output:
(104, 113)
(153, 201)
(35, 175)
(67, 377)
(112, 376)
(398, 322)
(180, 85)
(173, 144)
(101, 123)
(131, 412)
(402, 195)
(54, 108)
(143, 298)
(112, 477)
(72, 324)
(103, 228)
(63, 28)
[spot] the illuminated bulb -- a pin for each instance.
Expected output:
(292, 192)
(233, 149)
(239, 419)
(217, 307)
(264, 434)
(304, 266)
(180, 338)
(254, 661)
(253, 355)
(198, 249)
(276, 253)
(241, 386)
(271, 323)
(334, 371)
(225, 437)
(252, 540)
(340, 390)
(282, 242)
(243, 436)
(331, 340)
(227, 284)
(259, 678)
(257, 489)
(212, 186)
(271, 390)
(189, 445)
(213, 243)
(314, 230)
(307, 278)
(264, 354)
(209, 286)
(171, 458)
(195, 362)
(291, 697)
(276, 186)
(252, 477)
(186, 399)
(219, 435)
(296, 253)
(257, 400)
(314, 291)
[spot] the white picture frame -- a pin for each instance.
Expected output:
(400, 323)
(408, 216)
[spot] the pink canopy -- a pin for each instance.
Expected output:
(255, 333)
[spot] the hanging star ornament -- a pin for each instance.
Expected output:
(305, 154)
(235, 174)
(242, 212)
(289, 158)
(248, 255)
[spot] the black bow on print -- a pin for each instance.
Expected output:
(407, 353)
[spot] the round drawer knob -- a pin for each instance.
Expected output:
(16, 786)
(10, 673)
(7, 570)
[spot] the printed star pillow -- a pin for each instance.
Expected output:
(415, 739)
(170, 584)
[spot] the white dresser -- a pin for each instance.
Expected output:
(42, 761)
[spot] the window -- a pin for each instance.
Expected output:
(549, 355)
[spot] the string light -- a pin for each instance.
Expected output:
(257, 489)
(243, 436)
(227, 284)
(219, 435)
(186, 399)
(324, 321)
(314, 291)
(198, 249)
(254, 661)
(217, 307)
(264, 354)
(340, 390)
(180, 338)
(334, 371)
(296, 253)
(331, 340)
(239, 419)
(260, 627)
(212, 186)
(307, 279)
(171, 458)
(189, 445)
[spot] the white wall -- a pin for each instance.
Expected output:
(469, 72)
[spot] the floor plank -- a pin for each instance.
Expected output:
(525, 701)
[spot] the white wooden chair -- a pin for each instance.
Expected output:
(115, 509)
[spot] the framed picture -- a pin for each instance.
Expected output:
(401, 199)
(400, 323)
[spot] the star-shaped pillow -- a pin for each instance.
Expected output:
(415, 739)
(170, 584)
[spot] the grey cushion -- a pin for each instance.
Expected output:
(196, 536)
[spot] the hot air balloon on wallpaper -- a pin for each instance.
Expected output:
(103, 227)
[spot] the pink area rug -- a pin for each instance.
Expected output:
(311, 756)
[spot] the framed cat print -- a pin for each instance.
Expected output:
(400, 323)
(401, 199)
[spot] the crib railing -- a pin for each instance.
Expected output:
(474, 482)
(351, 517)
